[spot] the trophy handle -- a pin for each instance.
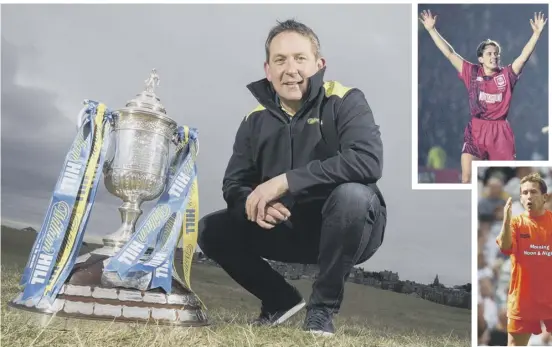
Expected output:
(111, 150)
(81, 117)
(178, 135)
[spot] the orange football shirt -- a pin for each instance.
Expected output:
(530, 292)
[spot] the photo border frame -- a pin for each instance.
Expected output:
(474, 226)
(414, 125)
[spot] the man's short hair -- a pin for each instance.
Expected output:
(535, 178)
(484, 44)
(291, 25)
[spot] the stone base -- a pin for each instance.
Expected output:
(85, 296)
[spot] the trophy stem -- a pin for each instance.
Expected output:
(130, 212)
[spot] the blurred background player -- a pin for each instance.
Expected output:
(488, 135)
(496, 186)
(436, 158)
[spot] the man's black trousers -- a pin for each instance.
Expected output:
(337, 233)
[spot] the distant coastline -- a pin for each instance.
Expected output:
(96, 240)
(18, 226)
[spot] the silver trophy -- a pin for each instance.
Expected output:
(138, 160)
(135, 170)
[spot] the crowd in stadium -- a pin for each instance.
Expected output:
(443, 109)
(496, 185)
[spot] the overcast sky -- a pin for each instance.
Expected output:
(54, 56)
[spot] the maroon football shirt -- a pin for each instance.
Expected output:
(489, 96)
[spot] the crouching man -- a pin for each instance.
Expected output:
(300, 185)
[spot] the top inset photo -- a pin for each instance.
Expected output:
(482, 89)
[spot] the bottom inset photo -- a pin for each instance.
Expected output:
(514, 258)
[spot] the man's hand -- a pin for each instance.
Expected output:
(508, 210)
(538, 22)
(267, 192)
(504, 239)
(275, 214)
(428, 20)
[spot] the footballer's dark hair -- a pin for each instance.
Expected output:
(484, 44)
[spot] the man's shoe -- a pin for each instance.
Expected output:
(319, 321)
(277, 317)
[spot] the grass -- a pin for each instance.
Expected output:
(369, 317)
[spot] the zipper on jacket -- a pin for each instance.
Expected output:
(290, 124)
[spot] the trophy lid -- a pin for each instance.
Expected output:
(147, 100)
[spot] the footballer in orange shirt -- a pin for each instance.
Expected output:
(527, 238)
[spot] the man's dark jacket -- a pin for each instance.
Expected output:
(332, 139)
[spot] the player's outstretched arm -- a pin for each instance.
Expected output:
(537, 24)
(428, 20)
(504, 239)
